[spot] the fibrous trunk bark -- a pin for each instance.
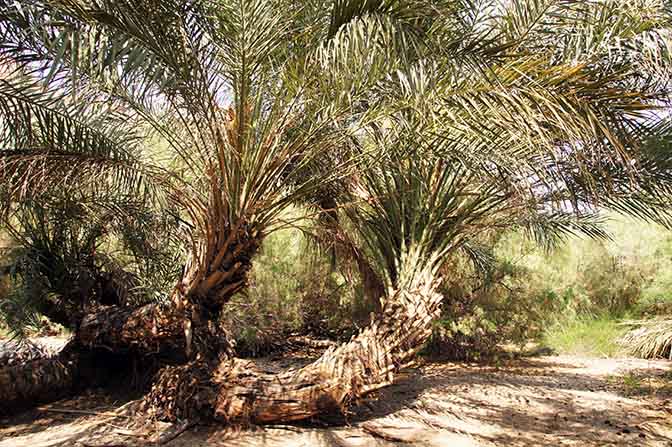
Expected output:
(233, 389)
(150, 328)
(238, 391)
(215, 273)
(155, 329)
(39, 380)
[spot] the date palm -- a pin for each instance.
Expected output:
(448, 119)
(245, 95)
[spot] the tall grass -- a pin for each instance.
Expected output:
(586, 336)
(595, 285)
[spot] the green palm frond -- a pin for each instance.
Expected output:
(420, 207)
(440, 120)
(482, 257)
(541, 139)
(83, 248)
(548, 230)
(47, 143)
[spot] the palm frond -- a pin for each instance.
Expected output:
(649, 339)
(48, 143)
(548, 230)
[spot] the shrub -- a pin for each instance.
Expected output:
(561, 296)
(482, 312)
(613, 283)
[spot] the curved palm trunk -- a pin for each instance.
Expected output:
(218, 265)
(213, 275)
(155, 329)
(233, 389)
(368, 362)
(150, 328)
(184, 329)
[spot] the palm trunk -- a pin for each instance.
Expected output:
(186, 323)
(150, 328)
(233, 389)
(38, 380)
(238, 391)
(184, 329)
(174, 331)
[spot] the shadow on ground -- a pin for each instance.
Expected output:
(526, 402)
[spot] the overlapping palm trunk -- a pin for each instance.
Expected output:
(239, 391)
(149, 328)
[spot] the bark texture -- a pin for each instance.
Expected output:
(238, 391)
(182, 332)
(151, 328)
(38, 380)
(218, 266)
(185, 330)
(214, 273)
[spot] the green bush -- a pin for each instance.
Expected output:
(563, 297)
(480, 313)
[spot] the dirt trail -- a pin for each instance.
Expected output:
(552, 401)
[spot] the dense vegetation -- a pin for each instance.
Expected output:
(579, 297)
(183, 181)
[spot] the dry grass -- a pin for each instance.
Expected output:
(649, 339)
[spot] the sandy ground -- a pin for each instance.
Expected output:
(543, 401)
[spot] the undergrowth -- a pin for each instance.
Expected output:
(586, 336)
(572, 299)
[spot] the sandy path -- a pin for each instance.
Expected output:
(555, 401)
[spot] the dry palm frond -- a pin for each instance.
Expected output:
(649, 338)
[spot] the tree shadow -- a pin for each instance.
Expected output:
(75, 410)
(532, 401)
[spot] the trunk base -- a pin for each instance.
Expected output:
(237, 391)
(182, 392)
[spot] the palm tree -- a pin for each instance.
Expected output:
(246, 95)
(449, 119)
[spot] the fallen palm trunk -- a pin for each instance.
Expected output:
(239, 391)
(155, 329)
(188, 323)
(39, 377)
(148, 331)
(233, 389)
(150, 328)
(39, 380)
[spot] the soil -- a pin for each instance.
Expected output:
(551, 400)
